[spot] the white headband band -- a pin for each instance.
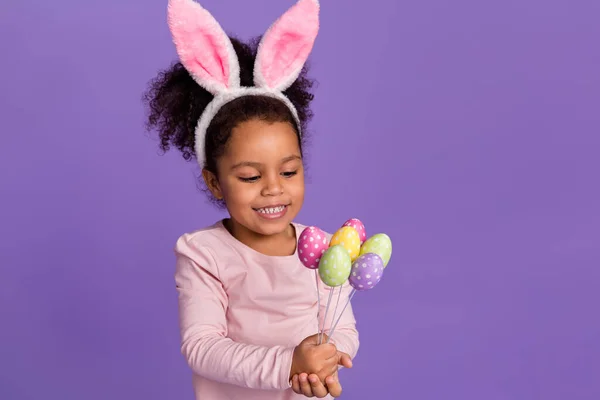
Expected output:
(206, 52)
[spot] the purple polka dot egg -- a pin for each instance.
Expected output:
(312, 243)
(366, 272)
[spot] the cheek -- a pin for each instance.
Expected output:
(296, 186)
(236, 192)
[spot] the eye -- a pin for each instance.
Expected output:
(290, 174)
(250, 180)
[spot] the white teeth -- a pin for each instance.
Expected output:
(271, 210)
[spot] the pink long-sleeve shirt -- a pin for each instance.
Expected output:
(241, 314)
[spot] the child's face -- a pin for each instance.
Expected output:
(261, 176)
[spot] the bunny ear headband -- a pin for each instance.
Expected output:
(206, 52)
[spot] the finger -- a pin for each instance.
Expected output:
(311, 340)
(305, 387)
(326, 340)
(296, 384)
(334, 386)
(317, 386)
(324, 356)
(339, 358)
(328, 351)
(344, 359)
(314, 339)
(330, 370)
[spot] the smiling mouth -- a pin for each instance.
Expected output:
(271, 210)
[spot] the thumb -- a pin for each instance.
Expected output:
(344, 359)
(312, 340)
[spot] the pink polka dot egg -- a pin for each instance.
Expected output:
(360, 228)
(311, 246)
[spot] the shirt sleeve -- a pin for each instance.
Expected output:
(208, 351)
(345, 336)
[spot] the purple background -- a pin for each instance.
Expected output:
(480, 120)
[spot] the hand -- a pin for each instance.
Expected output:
(312, 358)
(311, 386)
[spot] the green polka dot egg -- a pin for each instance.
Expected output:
(379, 244)
(335, 266)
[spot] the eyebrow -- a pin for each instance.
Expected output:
(257, 164)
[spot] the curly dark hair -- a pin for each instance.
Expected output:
(175, 102)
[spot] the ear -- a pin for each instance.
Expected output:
(285, 47)
(212, 183)
(203, 47)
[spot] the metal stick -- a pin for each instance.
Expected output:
(318, 305)
(340, 316)
(325, 317)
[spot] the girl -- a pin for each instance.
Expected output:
(248, 308)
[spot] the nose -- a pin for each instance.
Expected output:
(272, 186)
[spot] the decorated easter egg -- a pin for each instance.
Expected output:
(360, 228)
(335, 265)
(379, 244)
(311, 246)
(366, 272)
(349, 238)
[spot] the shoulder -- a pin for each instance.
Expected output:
(201, 236)
(196, 253)
(200, 243)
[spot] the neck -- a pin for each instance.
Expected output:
(280, 244)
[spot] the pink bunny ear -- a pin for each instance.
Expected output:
(286, 45)
(203, 47)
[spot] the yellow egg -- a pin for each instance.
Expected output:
(349, 238)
